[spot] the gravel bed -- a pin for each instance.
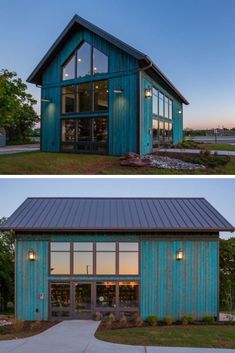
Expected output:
(170, 163)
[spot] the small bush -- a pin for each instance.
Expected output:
(208, 320)
(123, 320)
(109, 321)
(111, 317)
(168, 320)
(187, 320)
(98, 316)
(137, 320)
(152, 320)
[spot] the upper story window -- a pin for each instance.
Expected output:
(155, 101)
(162, 105)
(87, 61)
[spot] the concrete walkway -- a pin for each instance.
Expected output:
(179, 150)
(19, 149)
(78, 337)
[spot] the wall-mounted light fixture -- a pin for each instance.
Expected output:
(46, 100)
(118, 90)
(32, 255)
(148, 93)
(179, 111)
(179, 254)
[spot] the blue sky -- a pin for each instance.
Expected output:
(219, 192)
(192, 41)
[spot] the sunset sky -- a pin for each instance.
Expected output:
(192, 41)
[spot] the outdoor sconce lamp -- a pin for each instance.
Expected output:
(148, 93)
(179, 254)
(32, 255)
(46, 100)
(180, 111)
(118, 90)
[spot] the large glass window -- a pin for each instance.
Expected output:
(105, 258)
(83, 259)
(100, 62)
(60, 259)
(155, 101)
(106, 294)
(60, 299)
(84, 60)
(170, 109)
(68, 130)
(161, 104)
(166, 107)
(128, 258)
(68, 100)
(128, 294)
(101, 96)
(68, 70)
(84, 103)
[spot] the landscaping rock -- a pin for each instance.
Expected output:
(5, 323)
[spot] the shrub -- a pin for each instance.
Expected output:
(109, 321)
(123, 320)
(208, 320)
(152, 320)
(168, 320)
(187, 320)
(98, 316)
(137, 320)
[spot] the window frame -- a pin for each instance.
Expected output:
(94, 250)
(74, 53)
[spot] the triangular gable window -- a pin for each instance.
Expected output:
(84, 60)
(100, 62)
(69, 69)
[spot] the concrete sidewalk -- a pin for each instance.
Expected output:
(19, 149)
(179, 150)
(78, 337)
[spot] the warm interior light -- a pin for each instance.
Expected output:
(66, 75)
(95, 68)
(79, 59)
(180, 254)
(32, 255)
(148, 93)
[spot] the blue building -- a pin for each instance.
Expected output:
(76, 257)
(99, 95)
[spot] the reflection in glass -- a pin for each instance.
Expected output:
(106, 294)
(128, 246)
(161, 130)
(170, 109)
(84, 60)
(68, 132)
(69, 69)
(128, 294)
(60, 246)
(101, 96)
(155, 101)
(106, 246)
(84, 98)
(60, 295)
(166, 107)
(155, 133)
(83, 246)
(128, 263)
(161, 104)
(84, 131)
(83, 263)
(82, 299)
(60, 263)
(100, 62)
(100, 130)
(105, 263)
(68, 100)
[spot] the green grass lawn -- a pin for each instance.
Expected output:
(173, 336)
(39, 163)
(218, 147)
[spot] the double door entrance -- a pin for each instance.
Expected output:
(80, 300)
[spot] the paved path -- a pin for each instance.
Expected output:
(19, 149)
(179, 150)
(78, 337)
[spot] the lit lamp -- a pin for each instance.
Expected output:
(179, 254)
(118, 90)
(180, 111)
(46, 100)
(148, 93)
(32, 255)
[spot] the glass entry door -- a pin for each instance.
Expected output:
(82, 301)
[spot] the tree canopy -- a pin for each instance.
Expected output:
(17, 114)
(227, 274)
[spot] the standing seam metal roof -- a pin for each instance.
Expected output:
(143, 214)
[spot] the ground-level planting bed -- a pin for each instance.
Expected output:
(40, 163)
(22, 329)
(204, 336)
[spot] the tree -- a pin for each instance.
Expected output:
(7, 251)
(17, 115)
(227, 274)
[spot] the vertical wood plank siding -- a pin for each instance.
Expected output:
(168, 286)
(178, 288)
(147, 115)
(122, 108)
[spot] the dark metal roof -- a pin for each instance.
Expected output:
(120, 214)
(78, 22)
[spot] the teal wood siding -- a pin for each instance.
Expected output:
(123, 127)
(31, 280)
(177, 288)
(147, 115)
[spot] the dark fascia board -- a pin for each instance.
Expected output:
(99, 229)
(36, 75)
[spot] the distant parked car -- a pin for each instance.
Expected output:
(2, 137)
